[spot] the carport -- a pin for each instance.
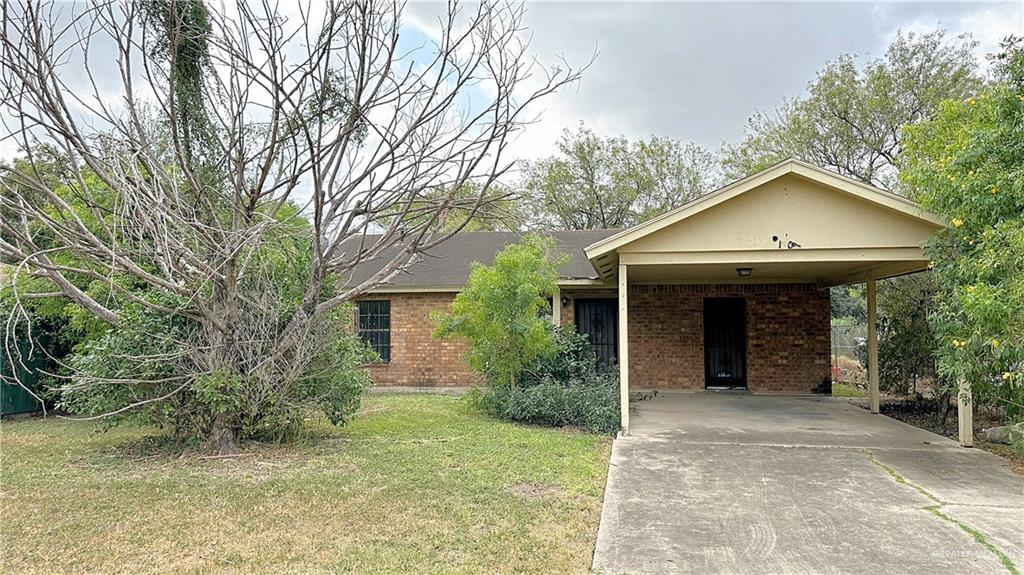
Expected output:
(731, 290)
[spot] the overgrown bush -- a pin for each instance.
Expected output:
(567, 388)
(261, 406)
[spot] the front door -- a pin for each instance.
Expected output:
(598, 320)
(725, 342)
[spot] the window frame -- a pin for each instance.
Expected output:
(373, 326)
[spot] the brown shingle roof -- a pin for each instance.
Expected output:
(448, 264)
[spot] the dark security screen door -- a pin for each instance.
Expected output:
(725, 342)
(598, 320)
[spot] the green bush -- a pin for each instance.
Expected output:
(567, 388)
(159, 354)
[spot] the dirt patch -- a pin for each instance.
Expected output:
(534, 490)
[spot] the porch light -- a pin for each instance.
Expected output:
(744, 272)
(565, 302)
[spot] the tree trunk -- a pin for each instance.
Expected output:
(222, 437)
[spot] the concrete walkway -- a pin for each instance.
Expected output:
(739, 483)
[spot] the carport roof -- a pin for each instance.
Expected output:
(793, 221)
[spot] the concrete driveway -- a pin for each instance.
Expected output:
(739, 483)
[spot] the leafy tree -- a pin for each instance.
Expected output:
(499, 311)
(904, 356)
(967, 163)
(848, 302)
(852, 117)
(597, 182)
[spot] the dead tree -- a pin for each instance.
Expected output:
(325, 110)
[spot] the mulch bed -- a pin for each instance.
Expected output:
(928, 414)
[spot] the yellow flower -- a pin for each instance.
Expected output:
(957, 222)
(1007, 375)
(995, 343)
(994, 190)
(970, 101)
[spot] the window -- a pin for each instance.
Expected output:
(375, 326)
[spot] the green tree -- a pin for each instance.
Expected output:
(967, 163)
(180, 32)
(852, 117)
(848, 302)
(597, 182)
(500, 311)
(904, 356)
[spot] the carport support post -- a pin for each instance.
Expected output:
(623, 350)
(873, 393)
(965, 414)
(556, 307)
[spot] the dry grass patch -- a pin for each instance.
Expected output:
(417, 484)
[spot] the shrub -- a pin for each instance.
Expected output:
(567, 388)
(158, 354)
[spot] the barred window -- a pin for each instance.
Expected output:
(375, 326)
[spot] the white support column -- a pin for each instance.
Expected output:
(624, 349)
(965, 414)
(556, 307)
(873, 392)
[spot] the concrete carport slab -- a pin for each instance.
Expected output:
(739, 483)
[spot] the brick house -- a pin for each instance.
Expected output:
(730, 290)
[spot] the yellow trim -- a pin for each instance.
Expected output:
(867, 255)
(623, 297)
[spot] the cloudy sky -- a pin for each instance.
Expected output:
(696, 71)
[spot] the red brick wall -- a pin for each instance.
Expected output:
(788, 335)
(417, 358)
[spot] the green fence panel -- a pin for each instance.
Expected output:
(14, 398)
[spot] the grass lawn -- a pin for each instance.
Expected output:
(840, 389)
(416, 484)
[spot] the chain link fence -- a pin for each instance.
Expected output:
(849, 343)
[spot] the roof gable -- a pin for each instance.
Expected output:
(790, 201)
